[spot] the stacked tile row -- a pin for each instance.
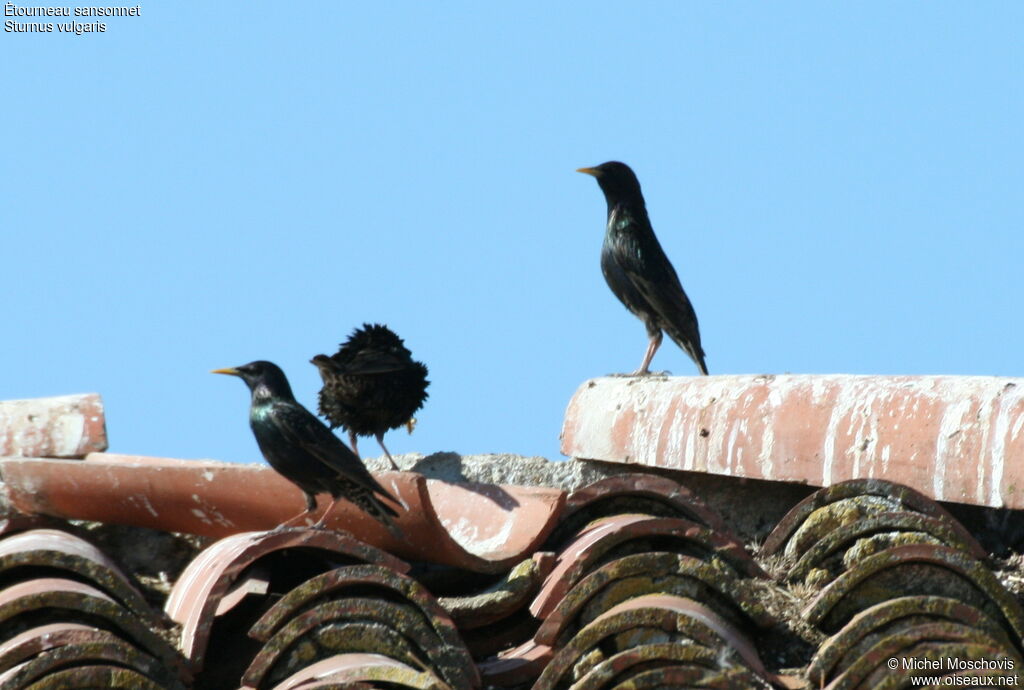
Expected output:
(903, 591)
(70, 618)
(635, 582)
(645, 588)
(312, 608)
(640, 584)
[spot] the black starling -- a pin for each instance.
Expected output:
(371, 385)
(637, 270)
(303, 450)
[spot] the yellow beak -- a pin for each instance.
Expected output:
(228, 371)
(589, 171)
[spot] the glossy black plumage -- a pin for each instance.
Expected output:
(371, 385)
(303, 450)
(637, 270)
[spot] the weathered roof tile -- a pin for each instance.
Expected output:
(69, 426)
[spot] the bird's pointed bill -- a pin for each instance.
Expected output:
(230, 371)
(589, 171)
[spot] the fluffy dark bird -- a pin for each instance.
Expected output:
(371, 385)
(303, 450)
(637, 270)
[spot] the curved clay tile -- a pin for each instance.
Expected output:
(333, 584)
(489, 640)
(193, 497)
(77, 602)
(648, 619)
(197, 594)
(352, 625)
(651, 573)
(502, 599)
(339, 627)
(601, 537)
(907, 643)
(350, 671)
(669, 663)
(15, 523)
(494, 526)
(956, 437)
(905, 524)
(60, 551)
(908, 498)
(480, 527)
(97, 676)
(28, 643)
(878, 578)
(690, 677)
(864, 629)
(827, 519)
(882, 676)
(636, 493)
(517, 666)
(68, 426)
(117, 652)
(359, 583)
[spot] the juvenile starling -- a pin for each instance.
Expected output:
(371, 385)
(637, 270)
(304, 451)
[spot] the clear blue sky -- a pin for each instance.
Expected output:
(839, 186)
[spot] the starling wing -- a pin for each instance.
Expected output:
(652, 284)
(353, 481)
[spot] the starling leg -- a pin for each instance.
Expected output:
(380, 440)
(352, 442)
(288, 522)
(310, 507)
(652, 347)
(320, 523)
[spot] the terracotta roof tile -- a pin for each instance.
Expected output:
(632, 581)
(195, 599)
(43, 600)
(90, 676)
(367, 593)
(922, 569)
(68, 426)
(27, 552)
(649, 620)
(896, 497)
(956, 438)
(483, 528)
(651, 573)
(634, 534)
(353, 671)
(871, 625)
(88, 653)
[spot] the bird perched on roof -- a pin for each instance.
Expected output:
(371, 385)
(304, 451)
(637, 270)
